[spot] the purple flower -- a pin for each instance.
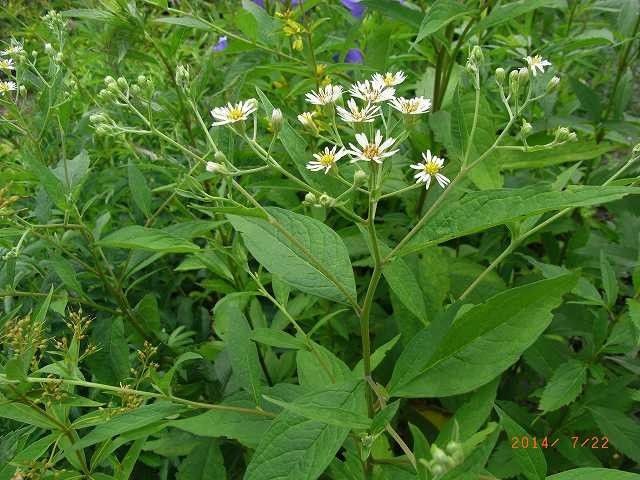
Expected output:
(354, 6)
(221, 45)
(260, 3)
(354, 55)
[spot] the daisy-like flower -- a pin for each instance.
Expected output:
(326, 159)
(7, 64)
(357, 115)
(411, 106)
(306, 119)
(372, 92)
(233, 113)
(6, 87)
(14, 49)
(372, 151)
(389, 79)
(429, 169)
(325, 95)
(537, 64)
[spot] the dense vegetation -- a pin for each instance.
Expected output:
(337, 239)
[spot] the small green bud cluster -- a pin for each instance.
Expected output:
(103, 124)
(322, 200)
(475, 60)
(444, 460)
(183, 76)
(563, 134)
(54, 21)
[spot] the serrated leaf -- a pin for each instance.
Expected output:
(482, 343)
(316, 261)
(296, 448)
(144, 238)
(480, 210)
(564, 386)
(623, 431)
(531, 460)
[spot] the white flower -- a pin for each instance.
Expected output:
(371, 92)
(376, 150)
(326, 159)
(388, 79)
(7, 64)
(430, 168)
(411, 106)
(233, 113)
(6, 87)
(325, 95)
(357, 115)
(537, 63)
(14, 49)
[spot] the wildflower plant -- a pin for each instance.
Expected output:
(299, 240)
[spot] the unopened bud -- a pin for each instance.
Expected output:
(562, 134)
(182, 76)
(526, 129)
(636, 148)
(438, 470)
(214, 167)
(573, 137)
(109, 80)
(310, 199)
(48, 49)
(122, 83)
(220, 157)
(326, 201)
(438, 454)
(500, 75)
(276, 119)
(523, 75)
(552, 86)
(297, 44)
(22, 89)
(142, 79)
(135, 89)
(477, 55)
(514, 82)
(359, 177)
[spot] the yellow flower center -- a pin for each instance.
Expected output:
(371, 152)
(4, 64)
(431, 168)
(4, 87)
(326, 159)
(235, 114)
(388, 80)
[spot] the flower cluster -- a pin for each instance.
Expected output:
(8, 66)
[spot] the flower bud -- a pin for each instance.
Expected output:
(142, 79)
(500, 75)
(438, 470)
(573, 137)
(526, 129)
(310, 199)
(359, 177)
(552, 86)
(298, 45)
(523, 75)
(48, 49)
(122, 83)
(220, 157)
(214, 167)
(58, 58)
(22, 89)
(109, 80)
(276, 119)
(326, 201)
(477, 55)
(438, 454)
(636, 148)
(562, 134)
(135, 89)
(182, 76)
(514, 84)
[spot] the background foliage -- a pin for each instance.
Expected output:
(151, 330)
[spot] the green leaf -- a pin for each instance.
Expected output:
(243, 354)
(440, 14)
(72, 172)
(246, 428)
(394, 9)
(205, 462)
(330, 405)
(571, 152)
(483, 342)
(110, 364)
(589, 99)
(404, 284)
(139, 189)
(594, 474)
(67, 274)
(480, 210)
(277, 338)
(296, 448)
(531, 460)
(564, 386)
(48, 180)
(126, 422)
(164, 383)
(609, 280)
(25, 414)
(144, 238)
(185, 21)
(622, 430)
(321, 367)
(304, 252)
(509, 11)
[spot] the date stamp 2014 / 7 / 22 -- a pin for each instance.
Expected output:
(577, 441)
